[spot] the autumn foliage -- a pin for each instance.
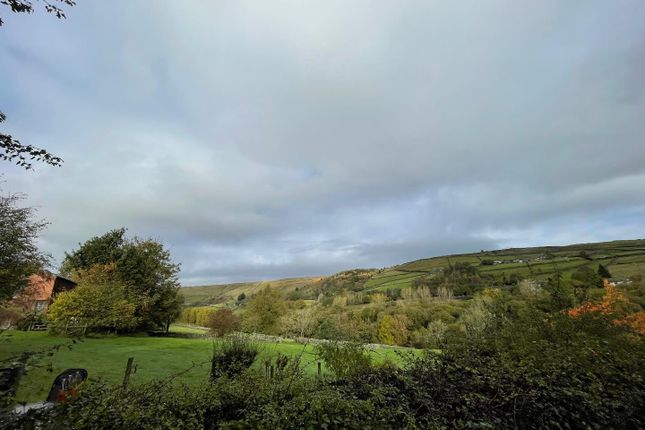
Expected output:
(613, 305)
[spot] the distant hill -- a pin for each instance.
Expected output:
(214, 294)
(623, 258)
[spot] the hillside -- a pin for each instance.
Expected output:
(623, 258)
(214, 294)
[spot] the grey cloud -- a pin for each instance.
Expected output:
(285, 139)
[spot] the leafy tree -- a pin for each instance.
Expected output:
(14, 151)
(437, 331)
(582, 280)
(393, 329)
(22, 155)
(104, 249)
(263, 312)
(223, 321)
(27, 6)
(300, 322)
(103, 306)
(19, 255)
(560, 295)
(344, 358)
(144, 266)
(603, 272)
(378, 298)
(478, 317)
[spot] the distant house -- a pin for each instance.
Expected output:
(40, 292)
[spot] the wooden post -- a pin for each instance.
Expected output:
(128, 370)
(319, 369)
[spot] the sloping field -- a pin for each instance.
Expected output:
(212, 294)
(623, 258)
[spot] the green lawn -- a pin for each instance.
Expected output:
(155, 357)
(186, 329)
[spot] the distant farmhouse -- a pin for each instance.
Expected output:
(41, 291)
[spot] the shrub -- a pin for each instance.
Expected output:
(344, 358)
(222, 322)
(232, 355)
(9, 316)
(101, 307)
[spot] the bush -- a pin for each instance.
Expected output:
(222, 322)
(101, 307)
(232, 355)
(344, 358)
(10, 316)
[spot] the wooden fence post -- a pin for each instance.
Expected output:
(128, 370)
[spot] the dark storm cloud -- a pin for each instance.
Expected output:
(271, 139)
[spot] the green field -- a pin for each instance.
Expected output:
(623, 258)
(155, 357)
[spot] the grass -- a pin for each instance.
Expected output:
(186, 329)
(155, 357)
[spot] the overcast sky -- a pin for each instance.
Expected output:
(269, 139)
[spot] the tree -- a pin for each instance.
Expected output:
(393, 329)
(478, 317)
(104, 249)
(603, 272)
(378, 298)
(560, 295)
(223, 321)
(19, 255)
(300, 323)
(143, 266)
(14, 151)
(263, 311)
(582, 280)
(100, 306)
(26, 6)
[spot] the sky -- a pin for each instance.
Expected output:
(271, 139)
